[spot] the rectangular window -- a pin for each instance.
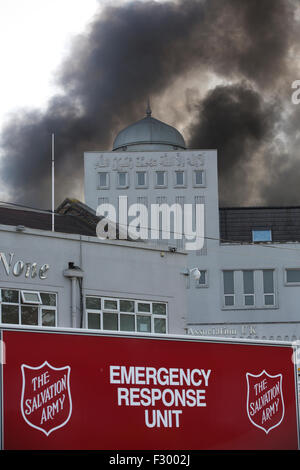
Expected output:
(127, 322)
(159, 309)
(141, 180)
(48, 299)
(143, 307)
(28, 307)
(203, 279)
(48, 317)
(10, 296)
(10, 314)
(269, 295)
(110, 304)
(160, 325)
(160, 178)
(179, 178)
(103, 180)
(93, 303)
(293, 276)
(126, 315)
(228, 279)
(29, 315)
(94, 320)
(122, 181)
(31, 297)
(249, 288)
(261, 235)
(198, 178)
(144, 323)
(110, 321)
(126, 306)
(248, 283)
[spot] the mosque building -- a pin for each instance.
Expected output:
(248, 282)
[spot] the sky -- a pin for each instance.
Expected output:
(221, 71)
(34, 37)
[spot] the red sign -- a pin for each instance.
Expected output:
(83, 391)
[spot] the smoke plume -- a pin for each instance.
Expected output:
(161, 50)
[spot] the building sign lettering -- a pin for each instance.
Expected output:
(165, 390)
(230, 330)
(119, 163)
(19, 267)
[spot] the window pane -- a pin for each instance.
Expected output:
(103, 179)
(110, 321)
(179, 178)
(268, 281)
(159, 309)
(9, 295)
(141, 178)
(143, 324)
(292, 275)
(248, 279)
(160, 178)
(111, 304)
(199, 177)
(94, 321)
(122, 179)
(48, 299)
(10, 314)
(127, 305)
(144, 307)
(93, 303)
(269, 299)
(261, 235)
(249, 299)
(159, 325)
(202, 279)
(48, 317)
(29, 315)
(229, 300)
(29, 297)
(127, 322)
(228, 282)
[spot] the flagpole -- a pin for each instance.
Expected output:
(52, 182)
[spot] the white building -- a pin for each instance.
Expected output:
(69, 278)
(250, 268)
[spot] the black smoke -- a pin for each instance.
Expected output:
(142, 49)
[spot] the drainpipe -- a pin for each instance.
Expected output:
(74, 273)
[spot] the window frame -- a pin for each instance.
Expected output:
(135, 313)
(286, 282)
(107, 185)
(40, 306)
(165, 183)
(33, 302)
(184, 183)
(141, 186)
(126, 185)
(258, 295)
(199, 185)
(256, 231)
(205, 284)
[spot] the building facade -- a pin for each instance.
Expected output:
(70, 279)
(249, 283)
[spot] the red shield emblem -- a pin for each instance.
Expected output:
(265, 405)
(46, 402)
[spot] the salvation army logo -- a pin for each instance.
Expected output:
(265, 405)
(46, 402)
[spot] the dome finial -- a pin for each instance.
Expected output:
(148, 110)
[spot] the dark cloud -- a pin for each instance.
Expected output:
(139, 49)
(236, 121)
